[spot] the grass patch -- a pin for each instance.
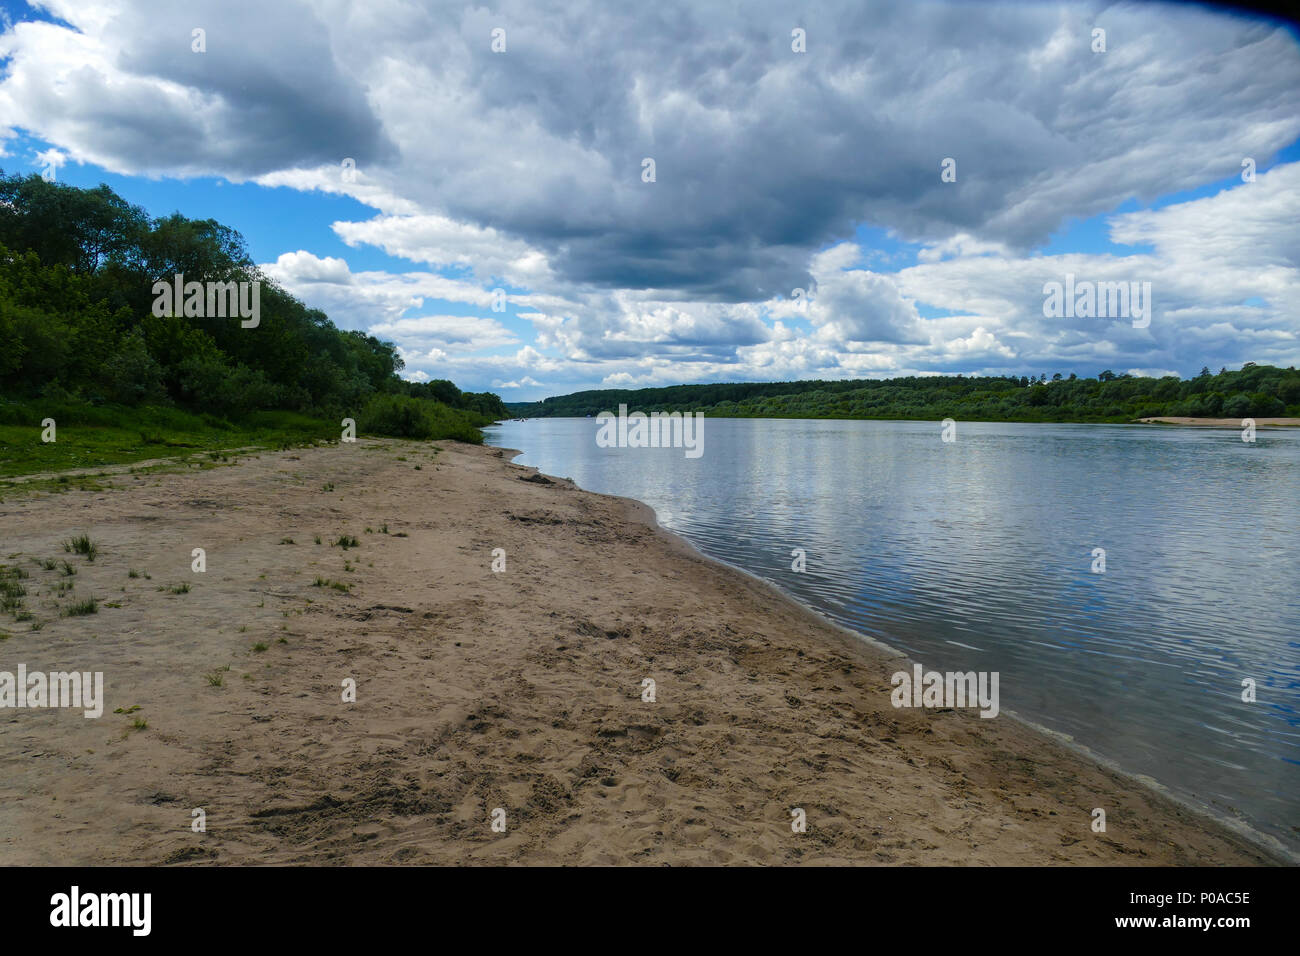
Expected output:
(81, 608)
(179, 589)
(12, 591)
(81, 544)
(346, 542)
(92, 436)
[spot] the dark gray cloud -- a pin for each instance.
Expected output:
(266, 93)
(764, 157)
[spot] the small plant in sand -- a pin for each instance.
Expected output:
(383, 528)
(286, 540)
(259, 647)
(80, 608)
(216, 679)
(180, 589)
(11, 591)
(139, 724)
(346, 542)
(68, 570)
(82, 544)
(318, 539)
(47, 564)
(328, 486)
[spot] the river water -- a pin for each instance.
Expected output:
(979, 554)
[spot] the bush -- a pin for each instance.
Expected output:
(395, 415)
(132, 376)
(400, 416)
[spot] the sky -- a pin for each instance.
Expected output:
(860, 190)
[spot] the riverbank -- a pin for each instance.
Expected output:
(1220, 422)
(477, 691)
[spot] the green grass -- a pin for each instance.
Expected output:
(91, 436)
(11, 596)
(12, 591)
(80, 608)
(82, 544)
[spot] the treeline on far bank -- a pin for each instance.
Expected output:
(1252, 391)
(80, 343)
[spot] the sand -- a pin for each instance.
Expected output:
(1220, 422)
(519, 690)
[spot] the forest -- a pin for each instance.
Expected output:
(80, 340)
(1252, 391)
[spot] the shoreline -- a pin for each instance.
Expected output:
(1264, 841)
(1235, 423)
(477, 690)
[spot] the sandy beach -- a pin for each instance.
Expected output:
(1220, 422)
(477, 690)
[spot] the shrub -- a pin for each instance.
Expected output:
(395, 415)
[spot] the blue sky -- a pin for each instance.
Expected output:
(776, 170)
